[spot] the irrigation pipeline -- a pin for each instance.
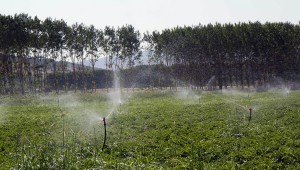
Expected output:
(104, 122)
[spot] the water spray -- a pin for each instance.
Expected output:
(250, 114)
(58, 102)
(120, 103)
(287, 93)
(104, 123)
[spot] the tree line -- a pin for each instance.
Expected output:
(241, 54)
(32, 49)
(35, 54)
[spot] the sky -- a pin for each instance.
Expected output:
(150, 15)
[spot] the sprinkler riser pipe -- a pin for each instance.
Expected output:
(104, 123)
(250, 114)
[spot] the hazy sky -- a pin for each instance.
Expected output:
(156, 14)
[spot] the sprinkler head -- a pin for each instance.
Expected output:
(250, 110)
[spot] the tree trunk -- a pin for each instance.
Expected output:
(82, 74)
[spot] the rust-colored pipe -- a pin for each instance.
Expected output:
(250, 114)
(104, 123)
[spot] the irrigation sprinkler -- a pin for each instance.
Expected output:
(104, 123)
(250, 114)
(122, 127)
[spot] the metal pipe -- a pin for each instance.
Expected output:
(104, 123)
(250, 114)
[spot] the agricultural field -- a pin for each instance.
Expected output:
(151, 129)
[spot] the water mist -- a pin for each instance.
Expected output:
(115, 93)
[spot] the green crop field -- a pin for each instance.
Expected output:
(151, 130)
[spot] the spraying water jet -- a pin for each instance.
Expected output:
(287, 92)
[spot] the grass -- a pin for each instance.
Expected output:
(151, 130)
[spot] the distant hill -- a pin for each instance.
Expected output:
(50, 64)
(102, 61)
